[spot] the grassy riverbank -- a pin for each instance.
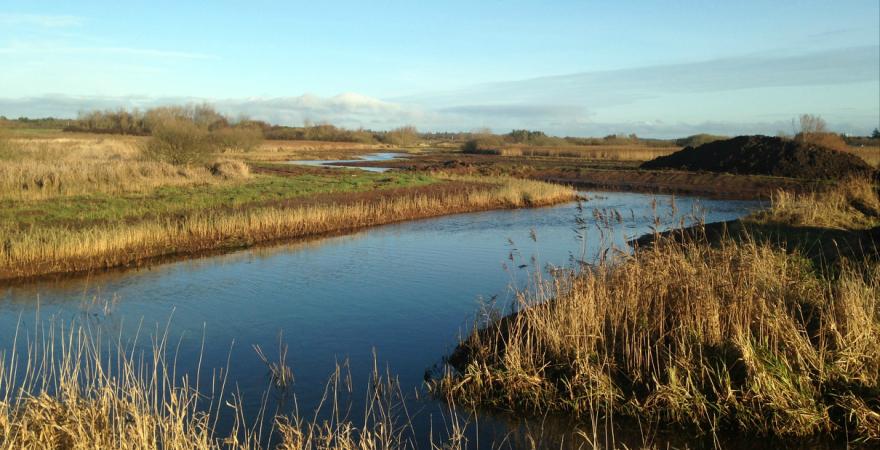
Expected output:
(738, 335)
(44, 249)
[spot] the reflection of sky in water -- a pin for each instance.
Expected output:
(406, 290)
(340, 163)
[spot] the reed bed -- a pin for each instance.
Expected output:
(74, 387)
(739, 335)
(37, 251)
(35, 169)
(851, 204)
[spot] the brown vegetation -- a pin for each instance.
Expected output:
(59, 167)
(75, 387)
(738, 335)
(37, 251)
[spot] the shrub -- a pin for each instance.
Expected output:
(179, 141)
(828, 140)
(403, 136)
(230, 169)
(485, 143)
(242, 137)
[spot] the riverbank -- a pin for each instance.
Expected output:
(53, 249)
(732, 335)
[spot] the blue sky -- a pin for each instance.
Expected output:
(657, 68)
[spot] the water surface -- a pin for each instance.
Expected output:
(341, 163)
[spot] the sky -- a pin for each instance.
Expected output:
(579, 68)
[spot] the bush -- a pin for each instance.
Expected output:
(179, 141)
(487, 143)
(828, 140)
(230, 169)
(244, 138)
(403, 136)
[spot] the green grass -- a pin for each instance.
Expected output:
(88, 209)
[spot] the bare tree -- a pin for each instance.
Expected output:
(811, 124)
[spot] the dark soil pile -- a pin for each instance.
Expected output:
(764, 155)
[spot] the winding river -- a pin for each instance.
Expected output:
(402, 292)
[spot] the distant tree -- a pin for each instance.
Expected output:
(811, 124)
(876, 134)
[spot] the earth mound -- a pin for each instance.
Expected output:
(764, 155)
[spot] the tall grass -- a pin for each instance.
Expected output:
(73, 387)
(34, 169)
(851, 204)
(739, 335)
(37, 251)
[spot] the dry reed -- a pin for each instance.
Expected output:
(73, 387)
(851, 204)
(36, 251)
(46, 168)
(739, 336)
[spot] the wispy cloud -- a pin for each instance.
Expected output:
(40, 20)
(615, 87)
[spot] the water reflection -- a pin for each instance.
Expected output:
(341, 163)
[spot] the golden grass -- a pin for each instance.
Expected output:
(851, 204)
(74, 387)
(45, 168)
(38, 251)
(739, 336)
(871, 154)
(594, 152)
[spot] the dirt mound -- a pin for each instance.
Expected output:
(764, 155)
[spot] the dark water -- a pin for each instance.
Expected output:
(404, 291)
(340, 163)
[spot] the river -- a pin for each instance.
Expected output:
(402, 292)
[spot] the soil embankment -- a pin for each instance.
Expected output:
(764, 155)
